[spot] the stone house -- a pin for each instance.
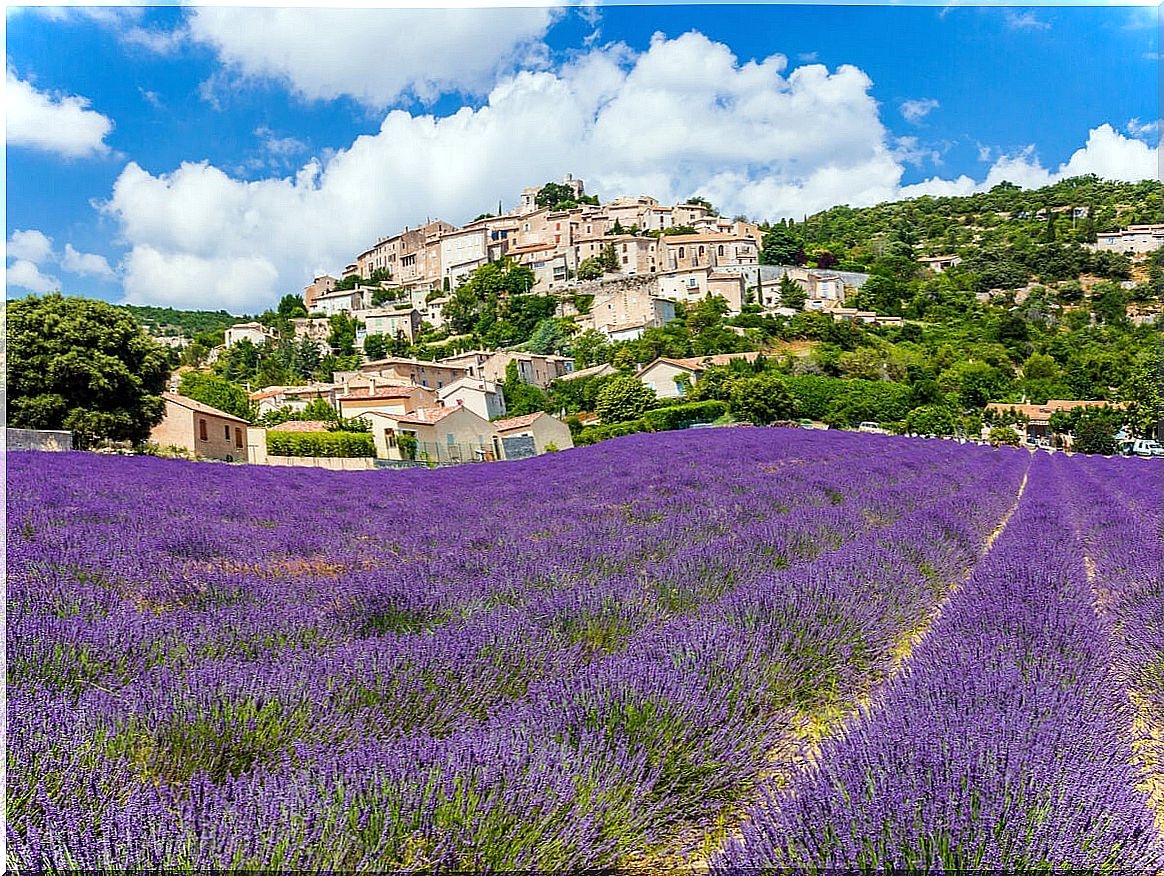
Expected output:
(205, 431)
(453, 434)
(538, 428)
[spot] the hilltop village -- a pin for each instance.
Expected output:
(635, 256)
(617, 269)
(1009, 316)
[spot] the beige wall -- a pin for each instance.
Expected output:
(181, 428)
(661, 378)
(545, 430)
(335, 463)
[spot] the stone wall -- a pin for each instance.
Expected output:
(38, 439)
(335, 463)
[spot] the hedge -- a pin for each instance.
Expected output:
(682, 416)
(346, 444)
(594, 434)
(817, 397)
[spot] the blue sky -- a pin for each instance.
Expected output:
(219, 157)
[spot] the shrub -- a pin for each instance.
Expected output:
(594, 434)
(343, 444)
(1001, 435)
(623, 398)
(407, 445)
(683, 415)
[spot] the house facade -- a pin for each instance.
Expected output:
(442, 434)
(483, 397)
(363, 395)
(668, 377)
(255, 332)
(1134, 239)
(201, 429)
(537, 432)
(534, 369)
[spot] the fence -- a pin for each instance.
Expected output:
(434, 452)
(38, 439)
(335, 463)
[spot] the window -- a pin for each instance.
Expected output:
(226, 431)
(701, 251)
(238, 437)
(202, 430)
(680, 252)
(557, 226)
(721, 249)
(450, 439)
(692, 283)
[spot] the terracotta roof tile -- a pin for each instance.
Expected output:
(301, 426)
(517, 422)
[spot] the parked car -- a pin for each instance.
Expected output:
(1147, 448)
(875, 428)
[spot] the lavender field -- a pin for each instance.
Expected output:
(734, 648)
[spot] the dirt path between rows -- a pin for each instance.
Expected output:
(813, 730)
(1147, 733)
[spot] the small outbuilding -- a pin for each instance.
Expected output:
(201, 429)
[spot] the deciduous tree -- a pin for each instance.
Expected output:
(82, 365)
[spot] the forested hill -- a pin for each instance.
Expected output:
(1005, 222)
(162, 321)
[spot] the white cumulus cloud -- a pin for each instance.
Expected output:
(372, 55)
(1025, 21)
(916, 110)
(683, 117)
(23, 274)
(31, 245)
(1107, 153)
(62, 124)
(86, 264)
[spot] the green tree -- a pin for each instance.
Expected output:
(1142, 393)
(194, 355)
(318, 409)
(521, 398)
(1109, 303)
(608, 259)
(791, 294)
(931, 420)
(1003, 436)
(761, 400)
(782, 246)
(1095, 431)
(549, 336)
(342, 337)
(591, 347)
(589, 269)
(553, 194)
(291, 307)
(880, 294)
(210, 389)
(376, 346)
(85, 366)
(623, 397)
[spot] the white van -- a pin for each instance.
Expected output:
(1146, 448)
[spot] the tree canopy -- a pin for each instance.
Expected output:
(83, 365)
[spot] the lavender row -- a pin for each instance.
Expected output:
(113, 585)
(1120, 510)
(229, 753)
(1003, 745)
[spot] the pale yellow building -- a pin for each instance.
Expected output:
(205, 431)
(539, 428)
